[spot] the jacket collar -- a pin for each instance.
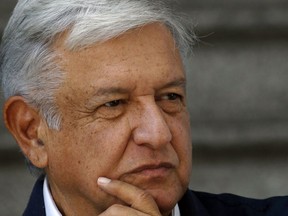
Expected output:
(36, 206)
(191, 205)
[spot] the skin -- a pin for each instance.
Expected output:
(125, 118)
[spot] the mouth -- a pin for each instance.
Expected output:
(152, 170)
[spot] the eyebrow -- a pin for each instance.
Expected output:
(102, 92)
(110, 90)
(181, 82)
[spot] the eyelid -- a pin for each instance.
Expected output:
(166, 96)
(110, 111)
(110, 103)
(100, 100)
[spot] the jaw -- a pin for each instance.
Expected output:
(166, 191)
(167, 200)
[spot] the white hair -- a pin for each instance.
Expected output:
(27, 59)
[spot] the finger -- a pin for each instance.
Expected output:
(120, 210)
(130, 194)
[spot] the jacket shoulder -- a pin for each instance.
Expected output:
(230, 204)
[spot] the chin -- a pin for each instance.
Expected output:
(166, 199)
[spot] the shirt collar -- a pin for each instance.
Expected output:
(50, 206)
(176, 211)
(52, 210)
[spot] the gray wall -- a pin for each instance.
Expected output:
(238, 102)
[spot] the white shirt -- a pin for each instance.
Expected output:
(50, 206)
(176, 211)
(52, 210)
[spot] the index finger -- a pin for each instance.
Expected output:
(133, 196)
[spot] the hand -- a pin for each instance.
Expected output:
(138, 201)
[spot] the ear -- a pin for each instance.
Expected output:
(24, 123)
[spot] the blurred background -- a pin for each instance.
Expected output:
(238, 99)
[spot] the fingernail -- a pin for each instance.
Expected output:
(103, 180)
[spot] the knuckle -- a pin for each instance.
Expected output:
(144, 196)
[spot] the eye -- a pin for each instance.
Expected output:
(172, 96)
(111, 109)
(171, 102)
(113, 103)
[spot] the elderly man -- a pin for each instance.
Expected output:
(95, 97)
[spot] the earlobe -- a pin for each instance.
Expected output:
(24, 122)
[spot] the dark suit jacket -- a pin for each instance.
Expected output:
(194, 204)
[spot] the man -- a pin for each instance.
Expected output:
(95, 97)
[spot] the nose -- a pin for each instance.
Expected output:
(151, 128)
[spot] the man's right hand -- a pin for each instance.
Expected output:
(138, 201)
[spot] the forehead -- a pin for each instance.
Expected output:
(148, 52)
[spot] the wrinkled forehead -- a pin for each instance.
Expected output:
(135, 54)
(60, 42)
(135, 40)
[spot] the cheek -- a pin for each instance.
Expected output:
(77, 157)
(100, 147)
(67, 156)
(182, 143)
(181, 131)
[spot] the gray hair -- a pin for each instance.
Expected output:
(27, 59)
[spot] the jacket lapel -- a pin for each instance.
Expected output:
(36, 205)
(190, 205)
